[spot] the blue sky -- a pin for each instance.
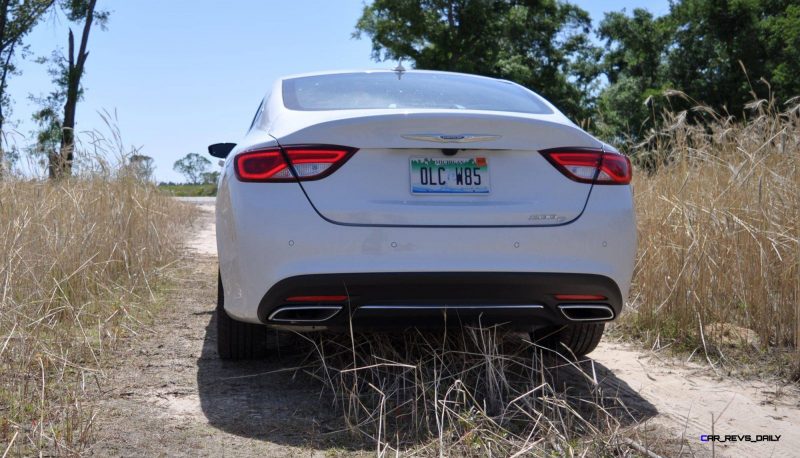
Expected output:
(182, 74)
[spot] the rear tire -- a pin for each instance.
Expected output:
(576, 339)
(236, 339)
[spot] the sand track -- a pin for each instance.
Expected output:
(172, 396)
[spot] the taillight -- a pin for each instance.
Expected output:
(586, 165)
(309, 162)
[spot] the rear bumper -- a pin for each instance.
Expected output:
(524, 301)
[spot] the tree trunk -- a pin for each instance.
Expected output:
(54, 164)
(63, 166)
(3, 18)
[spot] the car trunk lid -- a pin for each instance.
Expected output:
(394, 179)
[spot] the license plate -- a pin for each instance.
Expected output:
(449, 175)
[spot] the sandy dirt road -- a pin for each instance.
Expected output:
(172, 396)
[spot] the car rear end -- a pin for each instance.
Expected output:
(443, 213)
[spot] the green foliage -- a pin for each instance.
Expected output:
(210, 177)
(189, 190)
(635, 45)
(782, 46)
(713, 40)
(77, 10)
(17, 19)
(48, 133)
(722, 53)
(633, 63)
(626, 108)
(192, 166)
(543, 45)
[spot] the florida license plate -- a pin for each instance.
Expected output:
(450, 175)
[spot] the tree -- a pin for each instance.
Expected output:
(717, 41)
(192, 166)
(713, 40)
(69, 80)
(635, 45)
(17, 18)
(141, 166)
(718, 52)
(211, 177)
(541, 44)
(781, 35)
(634, 63)
(48, 135)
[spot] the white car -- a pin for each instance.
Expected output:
(392, 199)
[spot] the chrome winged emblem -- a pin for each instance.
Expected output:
(444, 138)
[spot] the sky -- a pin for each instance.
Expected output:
(182, 74)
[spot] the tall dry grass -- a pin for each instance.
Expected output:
(475, 392)
(719, 235)
(79, 263)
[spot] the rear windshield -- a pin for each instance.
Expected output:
(385, 90)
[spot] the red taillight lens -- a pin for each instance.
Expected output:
(615, 169)
(309, 162)
(262, 166)
(583, 165)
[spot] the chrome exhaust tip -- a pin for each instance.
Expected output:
(304, 313)
(587, 312)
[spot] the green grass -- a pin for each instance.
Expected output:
(189, 190)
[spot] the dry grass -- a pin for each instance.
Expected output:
(79, 261)
(719, 238)
(475, 392)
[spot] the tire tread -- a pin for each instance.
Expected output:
(236, 339)
(580, 338)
